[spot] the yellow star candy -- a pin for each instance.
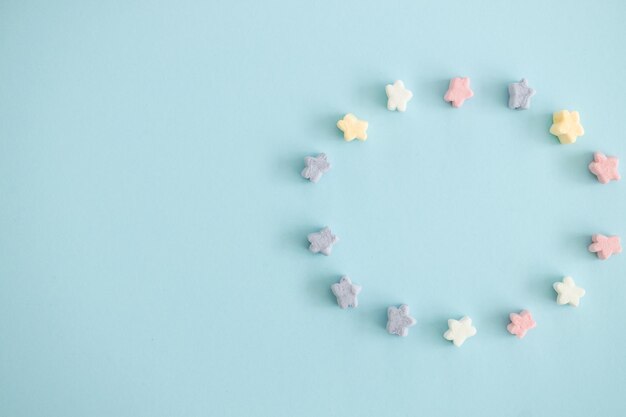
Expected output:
(566, 126)
(352, 127)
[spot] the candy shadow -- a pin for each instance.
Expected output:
(318, 289)
(432, 90)
(574, 167)
(535, 126)
(495, 322)
(287, 168)
(578, 243)
(325, 128)
(375, 316)
(373, 95)
(543, 286)
(493, 93)
(296, 238)
(432, 328)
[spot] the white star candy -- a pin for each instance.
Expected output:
(322, 241)
(399, 320)
(568, 292)
(459, 331)
(346, 292)
(398, 96)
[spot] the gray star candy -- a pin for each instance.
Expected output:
(322, 241)
(399, 320)
(315, 167)
(346, 292)
(520, 94)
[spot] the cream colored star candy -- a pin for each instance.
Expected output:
(459, 331)
(568, 292)
(353, 128)
(566, 126)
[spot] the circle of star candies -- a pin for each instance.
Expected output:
(566, 127)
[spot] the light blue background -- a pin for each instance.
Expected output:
(153, 222)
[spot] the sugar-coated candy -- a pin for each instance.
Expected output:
(353, 128)
(397, 96)
(322, 241)
(605, 246)
(566, 126)
(604, 167)
(458, 91)
(520, 94)
(399, 320)
(521, 323)
(459, 331)
(315, 167)
(568, 292)
(346, 292)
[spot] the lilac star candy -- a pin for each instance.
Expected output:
(315, 167)
(346, 292)
(604, 167)
(520, 94)
(322, 241)
(399, 320)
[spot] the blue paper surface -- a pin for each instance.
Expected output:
(153, 221)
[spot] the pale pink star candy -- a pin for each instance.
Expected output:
(521, 323)
(458, 91)
(604, 167)
(605, 246)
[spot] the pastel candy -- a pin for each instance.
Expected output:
(315, 167)
(566, 126)
(322, 241)
(353, 128)
(520, 94)
(605, 246)
(397, 96)
(604, 167)
(459, 331)
(346, 292)
(568, 292)
(399, 320)
(458, 91)
(521, 323)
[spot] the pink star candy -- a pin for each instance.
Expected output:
(604, 167)
(458, 91)
(605, 246)
(521, 323)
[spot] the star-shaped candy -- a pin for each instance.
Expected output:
(399, 320)
(605, 246)
(398, 96)
(520, 94)
(458, 91)
(521, 323)
(346, 292)
(315, 167)
(459, 330)
(568, 292)
(353, 128)
(604, 167)
(566, 126)
(322, 241)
